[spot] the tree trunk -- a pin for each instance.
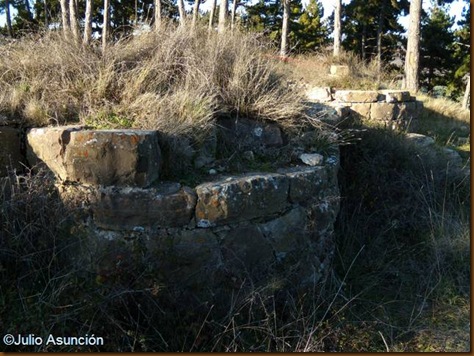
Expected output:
(222, 16)
(182, 13)
(65, 18)
(88, 23)
(412, 58)
(284, 28)
(157, 14)
(28, 10)
(232, 16)
(379, 39)
(73, 20)
(211, 18)
(337, 29)
(195, 12)
(364, 42)
(467, 94)
(46, 22)
(105, 26)
(9, 18)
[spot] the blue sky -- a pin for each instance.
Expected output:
(455, 9)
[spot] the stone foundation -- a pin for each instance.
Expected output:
(229, 231)
(391, 108)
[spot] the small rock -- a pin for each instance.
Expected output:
(312, 159)
(212, 171)
(453, 156)
(420, 140)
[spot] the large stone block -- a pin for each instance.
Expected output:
(44, 145)
(137, 208)
(108, 157)
(305, 182)
(361, 110)
(384, 111)
(195, 257)
(240, 198)
(10, 150)
(320, 94)
(356, 96)
(287, 233)
(246, 252)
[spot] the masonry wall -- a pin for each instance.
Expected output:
(228, 231)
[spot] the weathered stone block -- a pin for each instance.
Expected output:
(325, 211)
(362, 110)
(44, 145)
(10, 150)
(108, 157)
(246, 252)
(196, 257)
(321, 94)
(305, 182)
(288, 232)
(356, 96)
(240, 198)
(245, 134)
(137, 208)
(339, 70)
(384, 111)
(395, 96)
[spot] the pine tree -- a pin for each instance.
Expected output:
(461, 55)
(314, 32)
(436, 48)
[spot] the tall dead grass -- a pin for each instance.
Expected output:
(174, 80)
(314, 70)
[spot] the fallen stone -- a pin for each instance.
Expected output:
(238, 199)
(168, 205)
(356, 96)
(108, 157)
(11, 157)
(420, 140)
(319, 94)
(312, 159)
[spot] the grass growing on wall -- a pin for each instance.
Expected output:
(175, 80)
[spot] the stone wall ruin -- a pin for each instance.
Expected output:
(212, 237)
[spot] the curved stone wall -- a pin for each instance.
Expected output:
(211, 238)
(222, 233)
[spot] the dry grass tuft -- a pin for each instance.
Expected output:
(315, 71)
(175, 80)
